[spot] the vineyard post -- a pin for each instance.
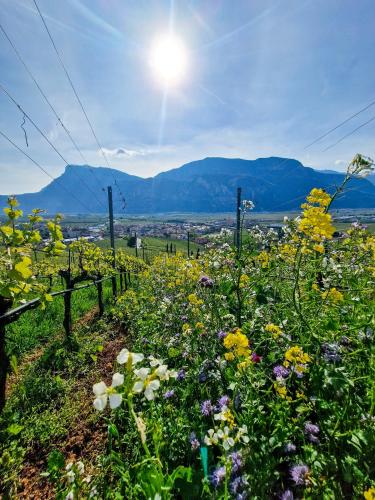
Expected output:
(4, 361)
(188, 244)
(238, 222)
(100, 297)
(112, 237)
(136, 246)
(67, 304)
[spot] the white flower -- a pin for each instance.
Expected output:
(70, 496)
(70, 476)
(247, 205)
(124, 355)
(242, 434)
(80, 465)
(142, 373)
(223, 415)
(145, 383)
(223, 434)
(93, 492)
(164, 374)
(103, 393)
(211, 438)
(155, 361)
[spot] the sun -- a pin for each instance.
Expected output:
(168, 59)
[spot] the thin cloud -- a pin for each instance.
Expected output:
(123, 152)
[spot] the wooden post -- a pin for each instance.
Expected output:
(67, 322)
(4, 360)
(238, 224)
(112, 237)
(136, 247)
(100, 298)
(188, 243)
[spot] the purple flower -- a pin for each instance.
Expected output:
(195, 444)
(237, 484)
(181, 374)
(221, 334)
(207, 408)
(206, 282)
(313, 439)
(290, 448)
(280, 371)
(169, 394)
(184, 319)
(236, 459)
(223, 401)
(311, 428)
(300, 474)
(218, 476)
(202, 377)
(331, 352)
(287, 495)
(255, 358)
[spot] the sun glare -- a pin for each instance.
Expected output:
(168, 59)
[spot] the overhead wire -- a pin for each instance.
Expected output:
(25, 114)
(29, 72)
(77, 97)
(340, 125)
(59, 183)
(349, 134)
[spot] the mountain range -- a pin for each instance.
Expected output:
(207, 185)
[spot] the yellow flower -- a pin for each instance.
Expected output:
(333, 295)
(244, 364)
(316, 223)
(281, 391)
(274, 329)
(319, 248)
(244, 280)
(296, 357)
(194, 300)
(369, 494)
(319, 197)
(199, 325)
(229, 356)
(238, 343)
(263, 259)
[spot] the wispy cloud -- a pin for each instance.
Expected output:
(123, 152)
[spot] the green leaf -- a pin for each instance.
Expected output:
(14, 429)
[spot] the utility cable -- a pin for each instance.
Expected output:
(3, 89)
(77, 96)
(43, 169)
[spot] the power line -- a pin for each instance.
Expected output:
(76, 95)
(27, 69)
(340, 124)
(350, 133)
(46, 138)
(43, 170)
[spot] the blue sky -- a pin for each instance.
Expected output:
(265, 78)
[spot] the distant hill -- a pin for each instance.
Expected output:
(208, 185)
